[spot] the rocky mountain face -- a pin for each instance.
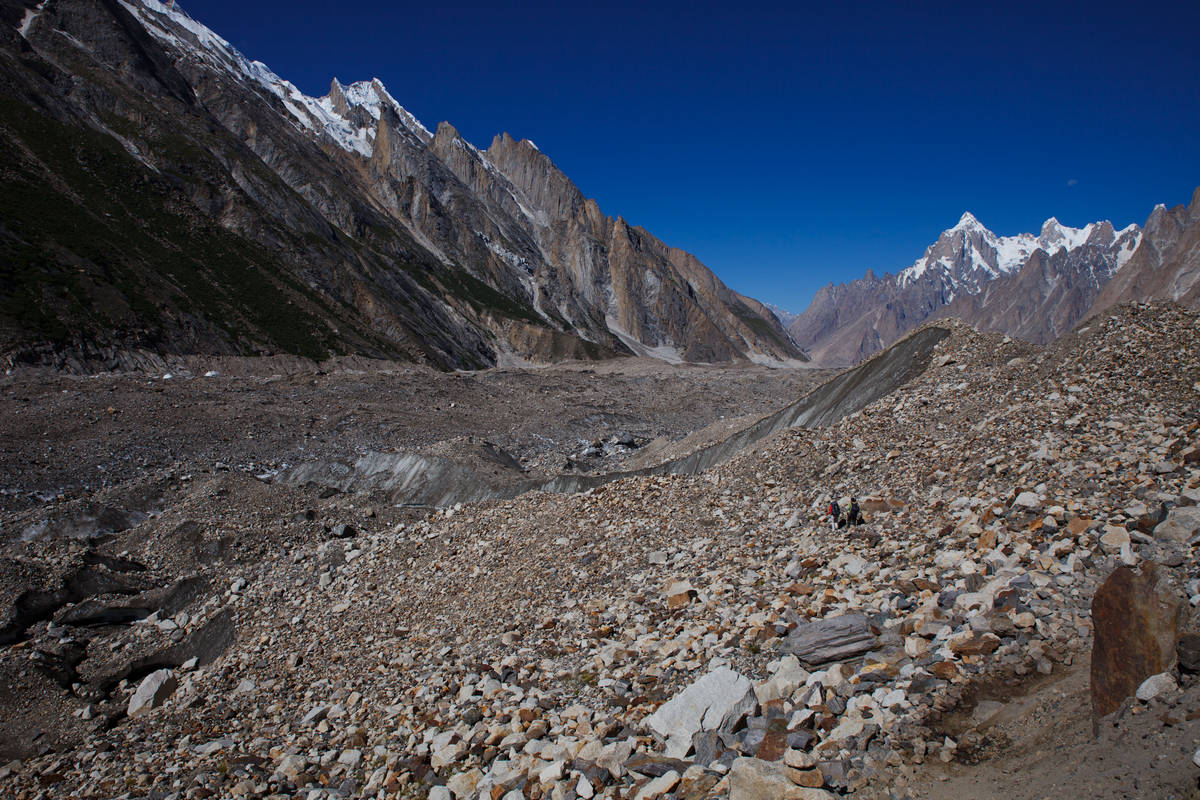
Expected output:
(164, 194)
(1035, 287)
(1167, 264)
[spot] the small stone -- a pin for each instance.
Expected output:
(754, 779)
(812, 778)
(1188, 651)
(243, 788)
(315, 715)
(972, 643)
(799, 759)
(463, 784)
(658, 787)
(291, 766)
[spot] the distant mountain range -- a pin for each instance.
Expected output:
(161, 192)
(1035, 287)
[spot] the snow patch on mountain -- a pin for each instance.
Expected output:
(173, 25)
(372, 96)
(30, 15)
(969, 254)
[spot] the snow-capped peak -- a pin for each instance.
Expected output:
(967, 220)
(968, 254)
(318, 115)
(372, 96)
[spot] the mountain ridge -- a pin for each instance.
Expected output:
(1035, 286)
(370, 233)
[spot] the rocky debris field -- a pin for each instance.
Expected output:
(668, 637)
(122, 436)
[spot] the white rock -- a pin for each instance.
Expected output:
(1028, 500)
(658, 787)
(1155, 685)
(464, 784)
(152, 692)
(787, 678)
(703, 705)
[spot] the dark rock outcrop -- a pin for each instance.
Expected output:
(1136, 621)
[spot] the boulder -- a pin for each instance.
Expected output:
(152, 692)
(1136, 621)
(462, 784)
(1188, 651)
(1114, 538)
(754, 779)
(1155, 685)
(717, 701)
(831, 639)
(1028, 500)
(789, 677)
(1180, 525)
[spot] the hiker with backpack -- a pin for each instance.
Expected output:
(855, 516)
(835, 515)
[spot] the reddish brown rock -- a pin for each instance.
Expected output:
(987, 539)
(812, 778)
(946, 670)
(975, 644)
(1136, 621)
(1078, 525)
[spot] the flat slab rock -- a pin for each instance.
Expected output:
(755, 779)
(831, 639)
(714, 702)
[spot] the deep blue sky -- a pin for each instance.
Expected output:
(788, 145)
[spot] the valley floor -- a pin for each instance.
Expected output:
(318, 644)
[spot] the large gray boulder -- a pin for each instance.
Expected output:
(831, 639)
(1180, 525)
(716, 701)
(152, 692)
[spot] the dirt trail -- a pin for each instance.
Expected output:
(1040, 745)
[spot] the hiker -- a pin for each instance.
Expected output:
(835, 515)
(855, 514)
